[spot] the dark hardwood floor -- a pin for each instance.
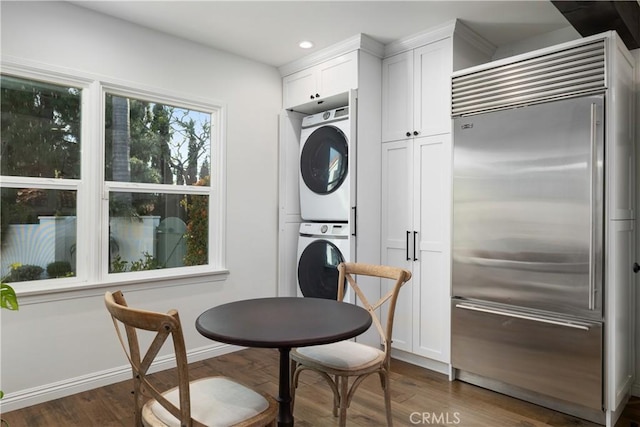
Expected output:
(419, 397)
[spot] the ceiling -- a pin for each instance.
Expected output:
(269, 31)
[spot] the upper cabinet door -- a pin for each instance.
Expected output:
(432, 79)
(298, 87)
(337, 75)
(397, 97)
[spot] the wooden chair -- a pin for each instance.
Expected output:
(338, 361)
(211, 401)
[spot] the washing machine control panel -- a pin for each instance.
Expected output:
(325, 117)
(324, 229)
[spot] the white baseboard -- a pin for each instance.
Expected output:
(635, 389)
(67, 387)
(423, 362)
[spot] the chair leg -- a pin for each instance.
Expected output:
(138, 403)
(336, 396)
(386, 389)
(294, 382)
(344, 385)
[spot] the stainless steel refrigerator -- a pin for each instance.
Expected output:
(527, 267)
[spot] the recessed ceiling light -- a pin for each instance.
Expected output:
(305, 44)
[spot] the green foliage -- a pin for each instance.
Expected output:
(8, 297)
(118, 265)
(23, 273)
(197, 228)
(146, 263)
(40, 129)
(59, 269)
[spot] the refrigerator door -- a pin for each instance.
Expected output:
(527, 215)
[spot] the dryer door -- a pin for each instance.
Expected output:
(324, 160)
(318, 270)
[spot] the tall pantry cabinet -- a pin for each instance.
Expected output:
(416, 182)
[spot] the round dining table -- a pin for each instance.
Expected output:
(283, 323)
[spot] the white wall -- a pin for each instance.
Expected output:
(538, 42)
(53, 348)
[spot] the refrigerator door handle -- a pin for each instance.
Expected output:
(592, 199)
(568, 324)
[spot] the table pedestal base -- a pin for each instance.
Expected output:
(285, 417)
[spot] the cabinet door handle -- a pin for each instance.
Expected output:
(636, 267)
(415, 258)
(408, 134)
(415, 133)
(312, 97)
(317, 95)
(354, 229)
(407, 247)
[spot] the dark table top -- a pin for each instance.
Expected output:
(283, 322)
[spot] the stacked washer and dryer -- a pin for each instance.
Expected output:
(325, 185)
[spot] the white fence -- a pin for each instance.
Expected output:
(54, 239)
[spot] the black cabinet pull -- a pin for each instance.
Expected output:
(408, 134)
(407, 247)
(415, 258)
(312, 97)
(636, 267)
(415, 133)
(354, 229)
(317, 95)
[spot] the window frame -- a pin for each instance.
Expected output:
(92, 202)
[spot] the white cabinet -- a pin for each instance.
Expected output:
(621, 231)
(329, 78)
(620, 301)
(416, 198)
(416, 180)
(397, 97)
(289, 202)
(351, 77)
(416, 87)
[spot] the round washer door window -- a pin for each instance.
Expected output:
(318, 270)
(323, 161)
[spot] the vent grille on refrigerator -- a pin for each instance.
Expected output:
(560, 74)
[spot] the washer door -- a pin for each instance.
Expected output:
(318, 270)
(324, 159)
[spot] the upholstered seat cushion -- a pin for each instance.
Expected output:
(347, 355)
(215, 401)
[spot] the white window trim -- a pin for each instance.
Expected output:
(91, 266)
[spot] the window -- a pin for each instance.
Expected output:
(157, 161)
(139, 181)
(40, 166)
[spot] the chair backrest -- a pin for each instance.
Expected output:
(401, 276)
(164, 325)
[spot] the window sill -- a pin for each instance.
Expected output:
(39, 294)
